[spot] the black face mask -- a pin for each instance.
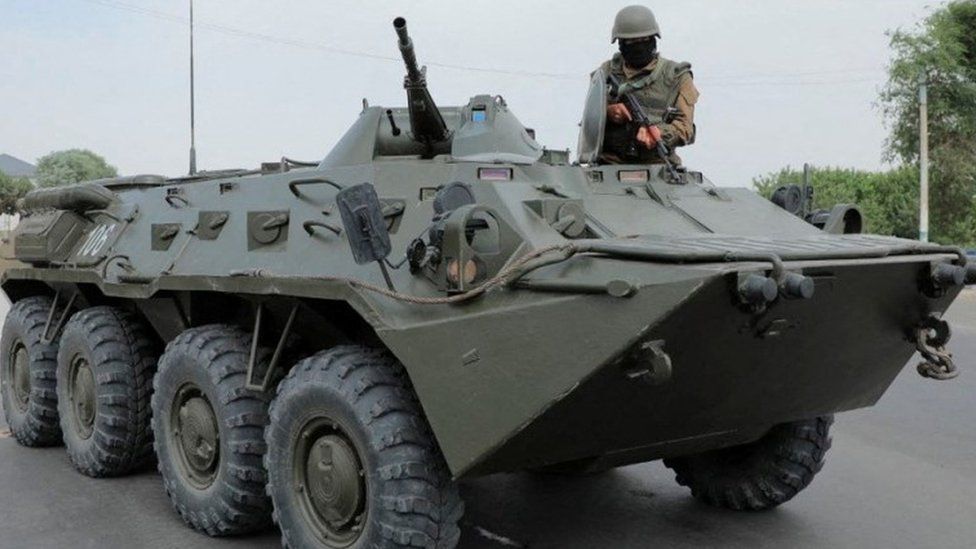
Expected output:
(638, 54)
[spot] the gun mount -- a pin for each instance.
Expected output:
(425, 119)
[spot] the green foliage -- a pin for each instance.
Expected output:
(888, 200)
(11, 190)
(72, 166)
(942, 50)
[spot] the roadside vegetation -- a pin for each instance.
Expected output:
(940, 50)
(11, 190)
(72, 166)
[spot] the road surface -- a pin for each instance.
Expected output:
(900, 475)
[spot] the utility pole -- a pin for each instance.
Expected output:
(807, 191)
(193, 137)
(923, 123)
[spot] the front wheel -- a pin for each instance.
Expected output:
(351, 460)
(759, 475)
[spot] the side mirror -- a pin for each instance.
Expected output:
(362, 217)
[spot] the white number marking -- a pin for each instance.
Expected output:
(96, 240)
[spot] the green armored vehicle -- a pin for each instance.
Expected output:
(336, 345)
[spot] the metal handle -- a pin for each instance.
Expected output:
(279, 220)
(310, 226)
(171, 197)
(295, 183)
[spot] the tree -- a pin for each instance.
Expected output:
(888, 200)
(941, 50)
(72, 166)
(11, 190)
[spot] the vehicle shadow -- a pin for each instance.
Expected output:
(623, 508)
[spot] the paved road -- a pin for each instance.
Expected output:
(900, 475)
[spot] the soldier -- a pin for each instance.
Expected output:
(663, 87)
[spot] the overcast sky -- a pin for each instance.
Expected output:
(782, 81)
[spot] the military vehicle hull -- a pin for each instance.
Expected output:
(439, 298)
(548, 369)
(734, 376)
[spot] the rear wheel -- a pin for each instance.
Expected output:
(759, 475)
(209, 431)
(106, 361)
(351, 460)
(28, 373)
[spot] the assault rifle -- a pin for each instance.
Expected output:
(642, 120)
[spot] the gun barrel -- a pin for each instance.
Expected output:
(406, 49)
(426, 123)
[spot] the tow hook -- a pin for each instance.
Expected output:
(931, 336)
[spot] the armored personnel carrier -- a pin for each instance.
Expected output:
(440, 298)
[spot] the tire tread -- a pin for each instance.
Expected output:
(779, 466)
(125, 353)
(420, 505)
(41, 427)
(239, 505)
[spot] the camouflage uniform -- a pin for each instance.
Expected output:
(660, 85)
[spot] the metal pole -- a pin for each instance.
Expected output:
(807, 191)
(923, 119)
(193, 138)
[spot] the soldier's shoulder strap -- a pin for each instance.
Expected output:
(606, 67)
(614, 64)
(672, 71)
(666, 72)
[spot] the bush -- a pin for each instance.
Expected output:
(72, 166)
(11, 190)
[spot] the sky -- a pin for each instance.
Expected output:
(782, 82)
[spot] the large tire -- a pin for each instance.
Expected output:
(106, 361)
(379, 479)
(209, 431)
(28, 374)
(759, 475)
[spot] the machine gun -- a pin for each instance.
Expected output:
(426, 123)
(642, 120)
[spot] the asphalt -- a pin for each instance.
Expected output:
(900, 475)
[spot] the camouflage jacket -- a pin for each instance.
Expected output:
(661, 85)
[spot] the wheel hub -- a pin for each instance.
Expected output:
(82, 396)
(197, 437)
(20, 376)
(331, 483)
(332, 471)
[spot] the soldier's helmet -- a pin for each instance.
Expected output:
(634, 22)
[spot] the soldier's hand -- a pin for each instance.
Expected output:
(618, 113)
(649, 136)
